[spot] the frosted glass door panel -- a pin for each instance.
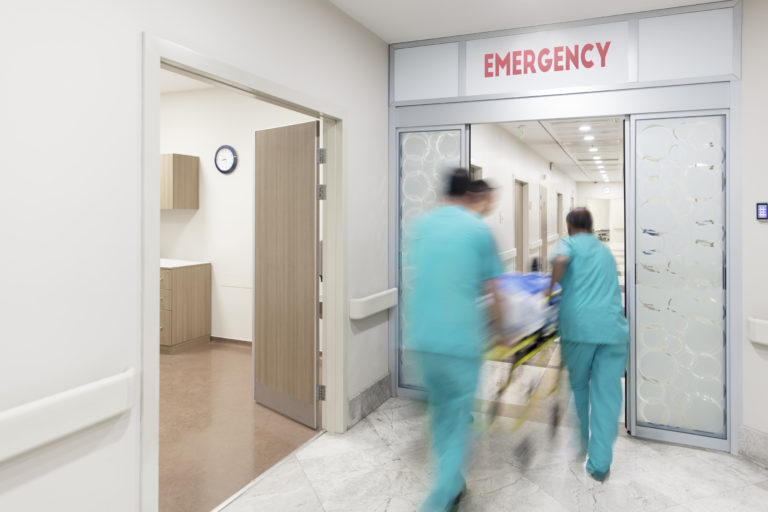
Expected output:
(680, 298)
(425, 159)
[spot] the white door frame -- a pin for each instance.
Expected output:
(154, 52)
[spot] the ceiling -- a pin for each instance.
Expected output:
(587, 149)
(397, 21)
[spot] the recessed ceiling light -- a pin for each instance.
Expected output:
(589, 137)
(597, 157)
(593, 149)
(585, 128)
(601, 167)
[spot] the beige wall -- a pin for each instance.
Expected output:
(754, 188)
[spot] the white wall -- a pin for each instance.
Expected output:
(70, 203)
(612, 218)
(588, 189)
(601, 212)
(222, 230)
(504, 159)
(754, 181)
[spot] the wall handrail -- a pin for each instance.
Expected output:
(508, 255)
(372, 304)
(758, 331)
(37, 423)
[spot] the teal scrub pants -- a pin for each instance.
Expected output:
(595, 372)
(451, 383)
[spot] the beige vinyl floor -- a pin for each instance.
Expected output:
(214, 438)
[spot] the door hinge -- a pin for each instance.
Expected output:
(322, 192)
(321, 155)
(321, 392)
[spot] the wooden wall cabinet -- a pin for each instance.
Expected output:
(179, 182)
(185, 305)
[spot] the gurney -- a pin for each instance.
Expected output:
(529, 328)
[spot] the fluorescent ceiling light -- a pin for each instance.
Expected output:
(585, 128)
(597, 157)
(589, 137)
(601, 167)
(592, 149)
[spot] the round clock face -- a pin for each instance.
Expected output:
(226, 159)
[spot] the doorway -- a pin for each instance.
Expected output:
(553, 157)
(640, 142)
(192, 65)
(217, 432)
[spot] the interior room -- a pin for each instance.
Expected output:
(542, 170)
(214, 437)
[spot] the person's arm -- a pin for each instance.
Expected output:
(559, 264)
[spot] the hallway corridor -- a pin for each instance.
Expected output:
(382, 465)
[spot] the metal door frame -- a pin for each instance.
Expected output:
(395, 234)
(671, 100)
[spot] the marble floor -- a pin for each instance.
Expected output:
(382, 464)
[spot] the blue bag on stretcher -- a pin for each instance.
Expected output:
(526, 310)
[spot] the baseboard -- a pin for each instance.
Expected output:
(181, 347)
(369, 400)
(753, 444)
(216, 339)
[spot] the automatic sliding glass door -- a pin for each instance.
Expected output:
(677, 303)
(425, 157)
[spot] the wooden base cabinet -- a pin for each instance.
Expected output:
(185, 305)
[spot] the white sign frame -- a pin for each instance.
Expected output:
(555, 59)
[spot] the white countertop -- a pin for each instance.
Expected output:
(168, 263)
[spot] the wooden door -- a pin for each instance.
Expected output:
(544, 235)
(285, 320)
(520, 249)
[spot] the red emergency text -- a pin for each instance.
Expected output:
(558, 58)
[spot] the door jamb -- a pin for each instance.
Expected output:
(154, 52)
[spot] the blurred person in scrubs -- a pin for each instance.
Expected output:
(484, 197)
(594, 336)
(450, 261)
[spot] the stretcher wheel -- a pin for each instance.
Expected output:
(524, 452)
(556, 418)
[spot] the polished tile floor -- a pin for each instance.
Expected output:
(382, 464)
(214, 438)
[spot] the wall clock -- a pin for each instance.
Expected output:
(226, 159)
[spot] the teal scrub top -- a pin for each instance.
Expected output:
(590, 308)
(448, 254)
